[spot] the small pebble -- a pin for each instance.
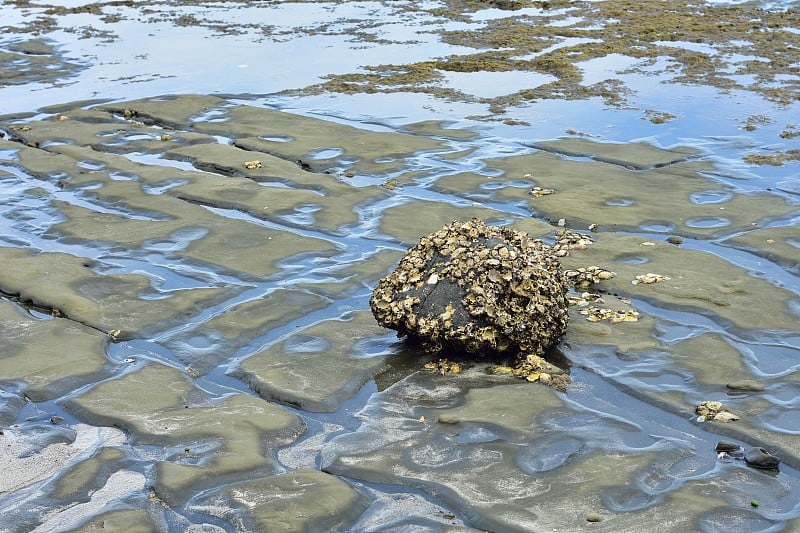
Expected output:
(592, 517)
(746, 385)
(723, 446)
(675, 239)
(761, 458)
(56, 419)
(754, 503)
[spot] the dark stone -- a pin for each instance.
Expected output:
(761, 458)
(476, 288)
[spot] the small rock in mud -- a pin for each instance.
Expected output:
(476, 288)
(761, 458)
(745, 385)
(729, 449)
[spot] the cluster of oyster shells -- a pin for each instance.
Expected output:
(537, 192)
(713, 410)
(476, 288)
(535, 369)
(571, 240)
(443, 366)
(597, 314)
(649, 278)
(583, 276)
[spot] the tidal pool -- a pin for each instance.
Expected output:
(188, 246)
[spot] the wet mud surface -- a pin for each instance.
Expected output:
(185, 280)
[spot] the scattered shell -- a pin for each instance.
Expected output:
(571, 240)
(422, 420)
(585, 298)
(649, 278)
(165, 137)
(253, 164)
(535, 368)
(587, 275)
(713, 410)
(725, 416)
(536, 192)
(596, 314)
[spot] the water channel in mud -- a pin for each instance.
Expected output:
(197, 198)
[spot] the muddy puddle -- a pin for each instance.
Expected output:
(185, 268)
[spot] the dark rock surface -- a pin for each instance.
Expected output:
(476, 288)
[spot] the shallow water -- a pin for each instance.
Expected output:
(187, 337)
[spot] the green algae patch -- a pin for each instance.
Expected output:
(206, 344)
(109, 303)
(233, 438)
(318, 367)
(50, 356)
(301, 500)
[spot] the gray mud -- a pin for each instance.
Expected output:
(185, 274)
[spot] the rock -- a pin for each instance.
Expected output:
(761, 458)
(476, 288)
(729, 449)
(592, 517)
(745, 385)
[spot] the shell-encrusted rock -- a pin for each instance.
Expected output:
(476, 288)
